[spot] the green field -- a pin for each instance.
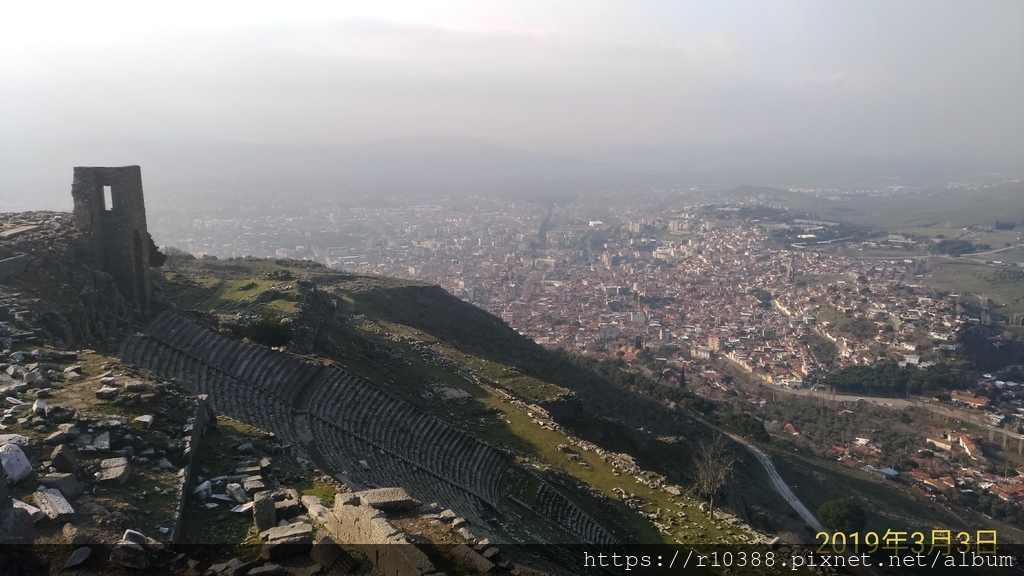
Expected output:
(972, 280)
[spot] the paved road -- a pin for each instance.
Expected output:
(781, 487)
(973, 416)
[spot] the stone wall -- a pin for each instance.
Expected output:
(204, 415)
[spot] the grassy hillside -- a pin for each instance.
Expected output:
(625, 458)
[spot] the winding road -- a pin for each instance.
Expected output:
(781, 487)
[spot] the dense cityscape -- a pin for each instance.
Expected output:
(700, 281)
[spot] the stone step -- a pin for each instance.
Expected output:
(219, 351)
(202, 348)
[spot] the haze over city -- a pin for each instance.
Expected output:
(247, 87)
(451, 280)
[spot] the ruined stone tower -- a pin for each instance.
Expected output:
(111, 216)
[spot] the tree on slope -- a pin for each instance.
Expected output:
(712, 466)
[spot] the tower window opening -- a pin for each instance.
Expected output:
(108, 199)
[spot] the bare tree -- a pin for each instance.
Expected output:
(175, 256)
(712, 466)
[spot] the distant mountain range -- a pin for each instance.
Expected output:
(38, 174)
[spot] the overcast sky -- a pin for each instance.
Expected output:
(885, 77)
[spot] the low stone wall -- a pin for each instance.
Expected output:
(203, 416)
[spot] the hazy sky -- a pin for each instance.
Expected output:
(879, 77)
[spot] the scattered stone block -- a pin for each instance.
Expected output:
(60, 414)
(243, 508)
(288, 508)
(106, 393)
(231, 567)
(287, 541)
(32, 376)
(245, 448)
(63, 459)
(287, 532)
(77, 536)
(53, 504)
(79, 556)
(15, 524)
(69, 429)
(15, 464)
(130, 552)
(236, 492)
(135, 386)
(268, 570)
(102, 442)
(388, 499)
(68, 485)
(35, 513)
(347, 499)
(115, 469)
(39, 407)
(264, 513)
(16, 439)
(467, 555)
(203, 492)
(146, 420)
(326, 552)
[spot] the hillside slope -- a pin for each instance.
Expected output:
(622, 456)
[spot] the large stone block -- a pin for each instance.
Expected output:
(60, 414)
(106, 393)
(287, 540)
(465, 555)
(68, 485)
(130, 552)
(15, 464)
(114, 469)
(53, 504)
(16, 527)
(288, 532)
(35, 513)
(264, 513)
(326, 552)
(387, 499)
(63, 459)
